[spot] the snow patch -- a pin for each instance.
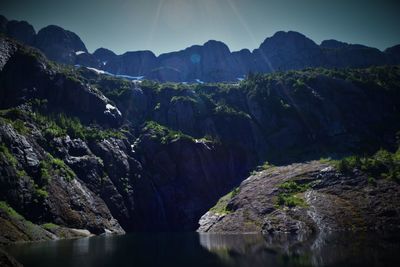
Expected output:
(132, 78)
(97, 70)
(79, 53)
(110, 108)
(199, 81)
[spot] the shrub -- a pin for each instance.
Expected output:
(61, 125)
(221, 207)
(50, 226)
(289, 194)
(54, 166)
(383, 164)
(183, 99)
(9, 157)
(9, 210)
(265, 166)
(290, 200)
(20, 127)
(224, 110)
(162, 133)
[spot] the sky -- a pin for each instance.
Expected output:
(170, 25)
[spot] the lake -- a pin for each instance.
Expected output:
(193, 249)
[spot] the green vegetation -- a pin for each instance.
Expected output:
(20, 127)
(383, 164)
(225, 110)
(50, 166)
(13, 116)
(187, 99)
(162, 133)
(9, 157)
(263, 167)
(9, 210)
(40, 193)
(61, 125)
(113, 88)
(293, 187)
(56, 125)
(221, 207)
(289, 194)
(327, 160)
(50, 226)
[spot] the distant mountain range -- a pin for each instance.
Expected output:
(210, 62)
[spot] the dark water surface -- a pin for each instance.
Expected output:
(192, 249)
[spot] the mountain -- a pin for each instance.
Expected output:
(287, 50)
(104, 55)
(210, 62)
(81, 150)
(59, 45)
(394, 53)
(136, 63)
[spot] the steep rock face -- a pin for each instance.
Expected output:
(244, 62)
(58, 44)
(67, 202)
(132, 63)
(394, 53)
(280, 118)
(357, 56)
(104, 55)
(332, 202)
(287, 50)
(185, 178)
(210, 62)
(21, 31)
(86, 59)
(98, 182)
(25, 75)
(3, 24)
(333, 44)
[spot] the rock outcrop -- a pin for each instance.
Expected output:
(324, 201)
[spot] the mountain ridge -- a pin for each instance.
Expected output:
(212, 61)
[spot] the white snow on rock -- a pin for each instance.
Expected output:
(96, 70)
(199, 81)
(132, 78)
(110, 108)
(79, 52)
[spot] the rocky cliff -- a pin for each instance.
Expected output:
(69, 157)
(305, 199)
(84, 153)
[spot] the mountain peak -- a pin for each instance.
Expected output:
(59, 44)
(57, 34)
(289, 39)
(216, 45)
(104, 55)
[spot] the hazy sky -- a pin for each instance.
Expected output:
(169, 25)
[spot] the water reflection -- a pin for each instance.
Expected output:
(192, 249)
(325, 249)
